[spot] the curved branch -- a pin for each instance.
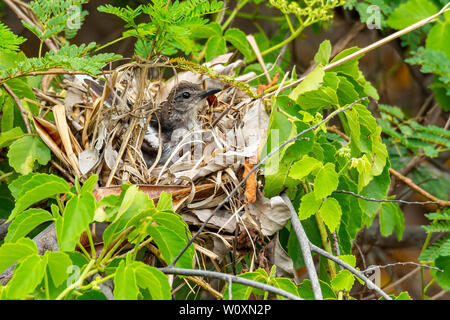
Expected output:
(306, 250)
(345, 265)
(229, 277)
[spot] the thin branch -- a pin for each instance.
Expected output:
(23, 112)
(306, 250)
(236, 188)
(24, 17)
(386, 200)
(407, 181)
(228, 277)
(369, 47)
(403, 263)
(357, 273)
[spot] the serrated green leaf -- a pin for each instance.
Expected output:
(25, 151)
(165, 202)
(391, 217)
(171, 234)
(306, 292)
(326, 181)
(312, 81)
(238, 39)
(303, 167)
(436, 39)
(323, 54)
(26, 276)
(411, 12)
(309, 205)
(78, 214)
(443, 277)
(58, 263)
(26, 222)
(343, 281)
(35, 188)
(9, 136)
(89, 184)
(12, 252)
(286, 285)
(215, 46)
(155, 281)
(331, 213)
(322, 98)
(242, 292)
(125, 285)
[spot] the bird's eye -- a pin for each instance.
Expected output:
(186, 95)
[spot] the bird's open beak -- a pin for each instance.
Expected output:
(209, 92)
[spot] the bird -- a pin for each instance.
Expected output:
(174, 117)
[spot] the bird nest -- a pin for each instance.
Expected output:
(98, 127)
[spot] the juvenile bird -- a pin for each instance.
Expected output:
(177, 116)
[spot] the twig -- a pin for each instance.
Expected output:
(386, 200)
(403, 263)
(369, 47)
(357, 273)
(24, 17)
(236, 188)
(407, 181)
(23, 112)
(228, 277)
(306, 250)
(415, 187)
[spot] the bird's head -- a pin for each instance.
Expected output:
(187, 96)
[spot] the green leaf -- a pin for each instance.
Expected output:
(10, 42)
(331, 213)
(92, 295)
(12, 252)
(322, 98)
(135, 203)
(284, 284)
(35, 188)
(171, 234)
(242, 292)
(343, 281)
(125, 285)
(326, 181)
(436, 39)
(9, 136)
(238, 39)
(78, 214)
(391, 217)
(303, 167)
(26, 276)
(306, 292)
(58, 263)
(215, 46)
(442, 277)
(312, 81)
(25, 151)
(89, 184)
(26, 222)
(411, 12)
(309, 205)
(153, 280)
(165, 202)
(323, 54)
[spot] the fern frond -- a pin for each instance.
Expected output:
(438, 226)
(438, 216)
(436, 249)
(10, 42)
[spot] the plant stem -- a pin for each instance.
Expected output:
(233, 14)
(78, 283)
(252, 16)
(111, 43)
